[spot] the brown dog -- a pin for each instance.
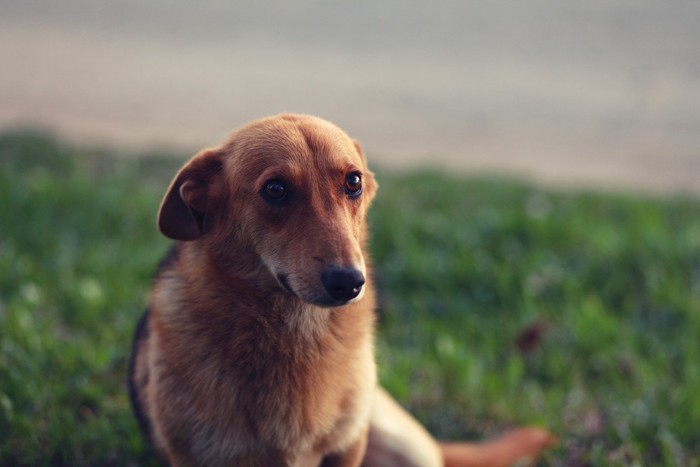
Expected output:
(257, 348)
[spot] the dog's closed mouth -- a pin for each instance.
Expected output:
(282, 279)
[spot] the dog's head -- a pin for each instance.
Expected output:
(288, 193)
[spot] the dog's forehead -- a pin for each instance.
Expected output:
(293, 143)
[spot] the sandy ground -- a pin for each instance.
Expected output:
(599, 94)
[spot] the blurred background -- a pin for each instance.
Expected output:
(536, 238)
(597, 93)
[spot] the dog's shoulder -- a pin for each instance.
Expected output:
(138, 374)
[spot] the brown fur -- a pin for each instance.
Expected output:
(247, 356)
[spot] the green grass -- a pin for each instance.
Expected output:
(608, 285)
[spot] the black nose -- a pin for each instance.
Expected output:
(342, 284)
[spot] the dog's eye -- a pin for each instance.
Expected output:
(275, 190)
(353, 184)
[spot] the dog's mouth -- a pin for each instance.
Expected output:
(282, 279)
(340, 287)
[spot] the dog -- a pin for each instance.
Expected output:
(257, 345)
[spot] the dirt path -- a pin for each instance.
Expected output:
(604, 95)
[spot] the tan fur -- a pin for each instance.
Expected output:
(246, 357)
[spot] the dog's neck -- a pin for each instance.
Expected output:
(307, 321)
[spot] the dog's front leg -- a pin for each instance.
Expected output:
(352, 456)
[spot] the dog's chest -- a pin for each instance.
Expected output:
(297, 392)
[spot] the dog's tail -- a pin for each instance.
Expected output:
(519, 447)
(397, 439)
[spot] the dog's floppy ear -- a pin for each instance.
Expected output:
(370, 184)
(185, 207)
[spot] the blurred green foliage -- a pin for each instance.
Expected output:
(500, 304)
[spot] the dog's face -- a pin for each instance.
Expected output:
(295, 189)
